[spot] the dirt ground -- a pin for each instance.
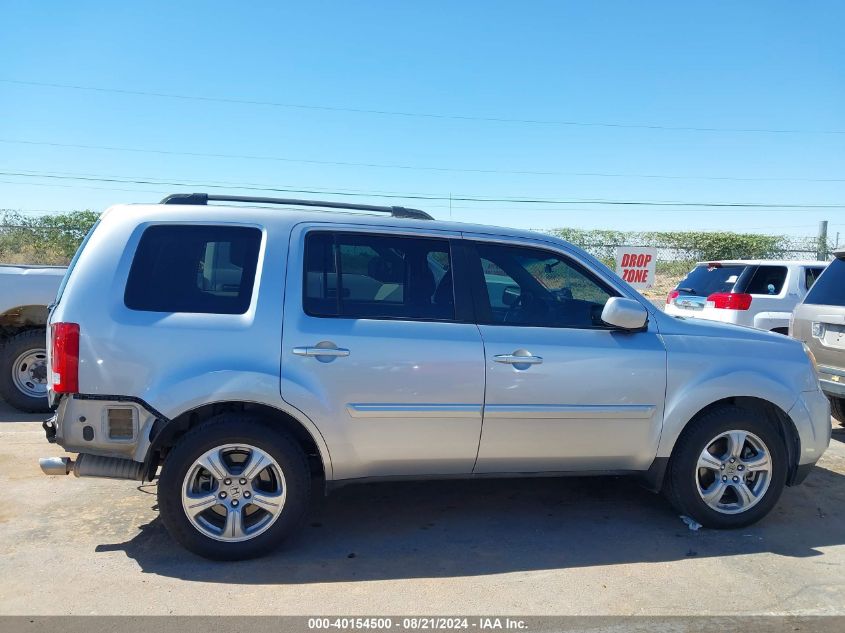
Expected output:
(531, 547)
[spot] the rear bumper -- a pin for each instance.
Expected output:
(734, 317)
(832, 380)
(834, 389)
(81, 425)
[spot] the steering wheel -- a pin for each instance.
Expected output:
(525, 302)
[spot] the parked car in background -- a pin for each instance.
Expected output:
(248, 351)
(819, 321)
(25, 294)
(756, 293)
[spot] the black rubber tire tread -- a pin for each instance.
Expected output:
(682, 488)
(234, 428)
(837, 409)
(10, 349)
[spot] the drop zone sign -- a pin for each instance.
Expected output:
(636, 265)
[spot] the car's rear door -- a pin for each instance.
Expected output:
(771, 298)
(565, 392)
(379, 349)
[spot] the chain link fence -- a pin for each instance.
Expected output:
(53, 239)
(678, 252)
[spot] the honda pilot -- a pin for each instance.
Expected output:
(243, 354)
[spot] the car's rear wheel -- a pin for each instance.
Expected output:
(23, 371)
(728, 468)
(837, 409)
(233, 488)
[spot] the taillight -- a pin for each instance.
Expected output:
(730, 300)
(64, 360)
(672, 295)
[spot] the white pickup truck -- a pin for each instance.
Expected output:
(25, 295)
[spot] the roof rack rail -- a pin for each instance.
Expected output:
(204, 198)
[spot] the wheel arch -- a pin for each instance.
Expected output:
(770, 411)
(24, 317)
(304, 433)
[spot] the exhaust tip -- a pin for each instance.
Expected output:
(55, 465)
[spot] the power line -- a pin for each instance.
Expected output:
(285, 159)
(404, 114)
(233, 184)
(67, 186)
(279, 159)
(461, 198)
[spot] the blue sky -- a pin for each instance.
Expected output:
(725, 65)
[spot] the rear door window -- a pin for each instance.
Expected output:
(194, 268)
(704, 280)
(767, 280)
(360, 276)
(829, 289)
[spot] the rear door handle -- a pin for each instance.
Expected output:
(335, 352)
(516, 359)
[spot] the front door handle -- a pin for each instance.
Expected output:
(518, 359)
(333, 352)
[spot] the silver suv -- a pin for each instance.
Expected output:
(248, 352)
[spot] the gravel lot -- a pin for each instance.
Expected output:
(572, 546)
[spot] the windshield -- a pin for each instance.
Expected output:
(704, 280)
(829, 288)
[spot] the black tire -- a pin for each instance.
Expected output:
(682, 485)
(11, 350)
(234, 429)
(837, 409)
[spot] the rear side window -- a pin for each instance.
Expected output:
(191, 268)
(378, 276)
(829, 289)
(767, 280)
(810, 276)
(704, 280)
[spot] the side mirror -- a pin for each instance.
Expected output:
(510, 295)
(626, 314)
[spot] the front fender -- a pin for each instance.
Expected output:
(704, 370)
(687, 402)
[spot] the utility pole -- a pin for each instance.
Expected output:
(821, 251)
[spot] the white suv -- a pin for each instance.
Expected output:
(248, 351)
(756, 293)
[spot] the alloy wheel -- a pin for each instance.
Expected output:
(234, 492)
(733, 472)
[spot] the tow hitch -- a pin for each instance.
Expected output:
(49, 426)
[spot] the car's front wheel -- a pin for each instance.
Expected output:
(233, 488)
(728, 468)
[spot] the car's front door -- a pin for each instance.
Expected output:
(564, 392)
(380, 351)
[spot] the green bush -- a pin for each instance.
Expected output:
(690, 246)
(45, 239)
